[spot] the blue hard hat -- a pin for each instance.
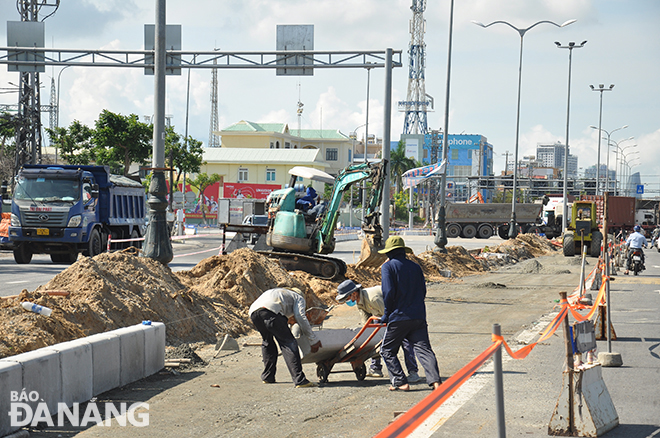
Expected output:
(637, 228)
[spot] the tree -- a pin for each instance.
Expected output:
(7, 145)
(201, 182)
(73, 143)
(183, 157)
(122, 140)
(399, 164)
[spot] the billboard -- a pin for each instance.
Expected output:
(253, 191)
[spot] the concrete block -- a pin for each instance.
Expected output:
(154, 347)
(41, 373)
(76, 370)
(131, 344)
(106, 362)
(11, 379)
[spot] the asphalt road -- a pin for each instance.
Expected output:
(187, 254)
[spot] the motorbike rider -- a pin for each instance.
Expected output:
(635, 241)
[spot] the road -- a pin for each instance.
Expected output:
(15, 278)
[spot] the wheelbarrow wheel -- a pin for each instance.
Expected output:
(322, 372)
(361, 372)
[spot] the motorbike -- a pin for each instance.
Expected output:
(637, 265)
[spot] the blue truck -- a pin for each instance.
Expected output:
(67, 210)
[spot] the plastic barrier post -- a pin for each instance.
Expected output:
(499, 386)
(109, 238)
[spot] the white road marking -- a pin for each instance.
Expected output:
(470, 388)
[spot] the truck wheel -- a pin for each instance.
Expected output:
(453, 230)
(596, 242)
(484, 231)
(533, 230)
(22, 254)
(136, 235)
(469, 231)
(95, 243)
(569, 245)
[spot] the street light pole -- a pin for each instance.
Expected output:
(570, 48)
(607, 171)
(513, 230)
(601, 88)
(366, 143)
(441, 235)
(619, 163)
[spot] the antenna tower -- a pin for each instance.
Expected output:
(214, 141)
(28, 133)
(418, 102)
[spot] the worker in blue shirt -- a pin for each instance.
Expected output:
(635, 241)
(404, 291)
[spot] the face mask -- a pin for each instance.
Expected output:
(350, 303)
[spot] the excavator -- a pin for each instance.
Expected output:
(300, 241)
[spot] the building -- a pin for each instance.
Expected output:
(552, 155)
(468, 155)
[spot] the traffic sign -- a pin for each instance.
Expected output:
(640, 189)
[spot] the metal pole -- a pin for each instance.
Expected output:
(569, 362)
(366, 143)
(607, 278)
(600, 124)
(513, 230)
(499, 385)
(387, 125)
(157, 244)
(441, 236)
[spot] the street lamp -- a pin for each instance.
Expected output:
(607, 170)
(627, 164)
(353, 136)
(57, 114)
(366, 143)
(616, 156)
(600, 88)
(441, 236)
(622, 149)
(570, 48)
(513, 232)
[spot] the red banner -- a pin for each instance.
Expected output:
(254, 191)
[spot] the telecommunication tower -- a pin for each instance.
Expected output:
(418, 102)
(28, 133)
(214, 141)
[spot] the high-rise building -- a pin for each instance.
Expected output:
(552, 155)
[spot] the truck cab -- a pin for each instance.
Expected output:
(65, 210)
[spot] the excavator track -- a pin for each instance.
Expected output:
(326, 268)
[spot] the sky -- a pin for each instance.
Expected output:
(623, 48)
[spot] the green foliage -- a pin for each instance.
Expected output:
(7, 145)
(73, 143)
(399, 164)
(181, 155)
(121, 140)
(401, 205)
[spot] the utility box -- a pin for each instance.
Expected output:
(585, 336)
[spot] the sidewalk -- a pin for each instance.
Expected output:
(532, 386)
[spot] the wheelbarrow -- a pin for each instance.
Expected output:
(356, 352)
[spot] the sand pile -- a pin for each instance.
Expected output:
(120, 289)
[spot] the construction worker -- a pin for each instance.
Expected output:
(404, 291)
(270, 314)
(369, 302)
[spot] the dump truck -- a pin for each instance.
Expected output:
(67, 210)
(484, 220)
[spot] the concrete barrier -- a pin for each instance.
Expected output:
(131, 354)
(154, 347)
(106, 363)
(75, 370)
(11, 378)
(40, 373)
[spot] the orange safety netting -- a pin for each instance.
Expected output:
(405, 424)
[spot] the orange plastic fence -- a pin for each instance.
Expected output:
(406, 423)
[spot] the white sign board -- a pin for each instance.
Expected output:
(412, 148)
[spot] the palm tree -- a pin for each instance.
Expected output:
(399, 164)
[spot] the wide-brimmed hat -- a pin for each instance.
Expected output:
(393, 243)
(346, 288)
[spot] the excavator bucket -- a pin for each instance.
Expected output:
(369, 256)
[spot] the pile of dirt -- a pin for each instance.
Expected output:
(119, 289)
